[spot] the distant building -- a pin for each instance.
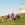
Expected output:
(22, 9)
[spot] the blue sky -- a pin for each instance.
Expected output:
(7, 6)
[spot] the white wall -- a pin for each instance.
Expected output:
(22, 11)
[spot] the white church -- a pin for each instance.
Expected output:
(22, 9)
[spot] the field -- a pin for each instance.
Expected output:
(20, 21)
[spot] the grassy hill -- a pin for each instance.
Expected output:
(21, 21)
(22, 15)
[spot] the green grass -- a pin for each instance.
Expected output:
(20, 21)
(22, 15)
